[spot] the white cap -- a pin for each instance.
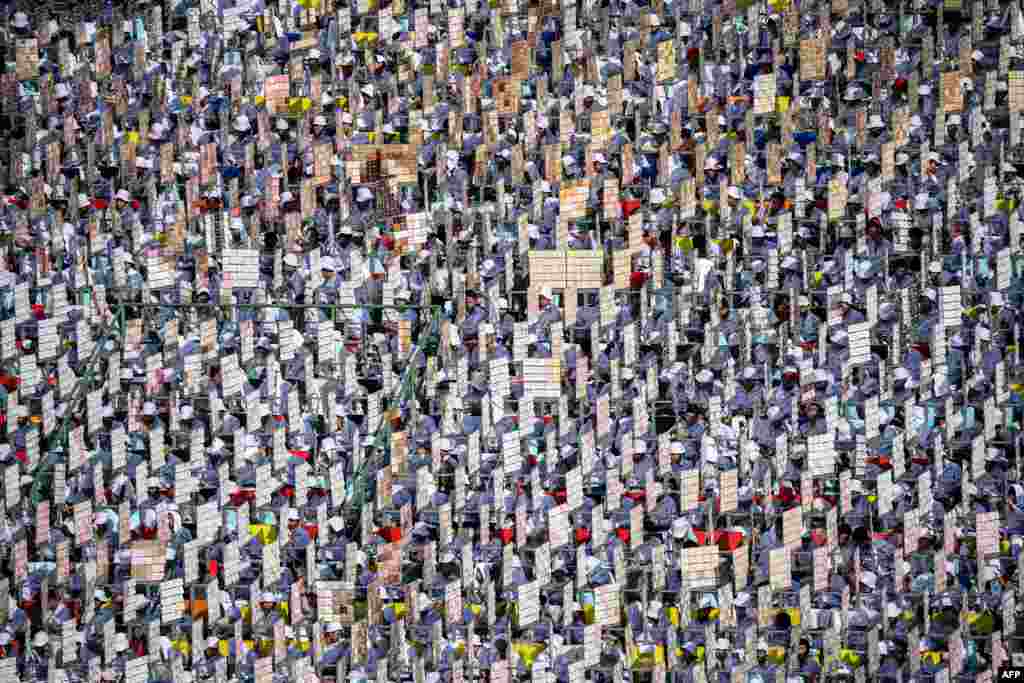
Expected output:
(680, 528)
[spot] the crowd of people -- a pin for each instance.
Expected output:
(621, 342)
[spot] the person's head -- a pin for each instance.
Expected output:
(149, 414)
(762, 654)
(804, 648)
(874, 229)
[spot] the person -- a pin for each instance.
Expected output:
(763, 670)
(37, 659)
(806, 661)
(210, 660)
